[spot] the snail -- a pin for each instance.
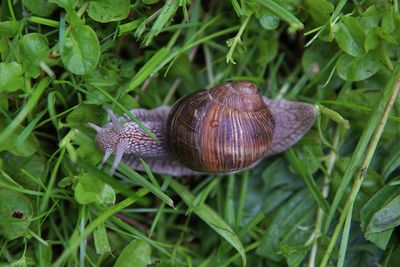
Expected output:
(226, 129)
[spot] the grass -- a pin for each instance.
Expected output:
(330, 200)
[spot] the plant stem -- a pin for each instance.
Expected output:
(388, 99)
(330, 163)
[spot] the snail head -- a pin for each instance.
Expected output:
(108, 139)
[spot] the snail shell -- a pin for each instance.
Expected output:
(224, 129)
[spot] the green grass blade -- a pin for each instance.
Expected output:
(362, 145)
(156, 190)
(311, 184)
(210, 217)
(145, 71)
(75, 240)
(28, 107)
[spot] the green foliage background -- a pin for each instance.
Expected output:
(332, 199)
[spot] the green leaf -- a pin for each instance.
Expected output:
(268, 20)
(350, 37)
(210, 217)
(108, 10)
(11, 77)
(376, 204)
(33, 49)
(290, 225)
(66, 4)
(137, 251)
(359, 68)
(386, 218)
(101, 240)
(165, 16)
(39, 7)
(81, 50)
(392, 161)
(371, 41)
(9, 28)
(320, 10)
(88, 189)
(294, 255)
(21, 262)
(276, 8)
(15, 214)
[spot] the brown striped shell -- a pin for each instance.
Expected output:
(224, 129)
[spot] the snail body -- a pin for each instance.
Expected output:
(222, 130)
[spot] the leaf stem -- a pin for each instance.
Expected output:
(236, 40)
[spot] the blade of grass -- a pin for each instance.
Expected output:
(147, 70)
(163, 18)
(229, 203)
(210, 217)
(156, 190)
(75, 240)
(29, 105)
(361, 159)
(45, 200)
(242, 198)
(311, 184)
(361, 147)
(28, 129)
(124, 190)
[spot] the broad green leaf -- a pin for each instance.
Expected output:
(33, 49)
(358, 68)
(3, 102)
(268, 20)
(371, 41)
(81, 50)
(371, 18)
(210, 217)
(137, 253)
(372, 207)
(388, 21)
(39, 7)
(290, 225)
(11, 77)
(66, 4)
(83, 114)
(88, 189)
(320, 10)
(350, 37)
(107, 197)
(9, 28)
(108, 10)
(278, 9)
(386, 218)
(15, 214)
(4, 49)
